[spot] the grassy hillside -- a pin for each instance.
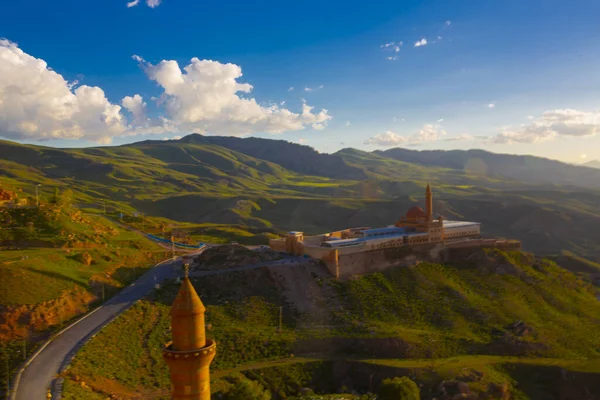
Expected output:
(484, 320)
(56, 263)
(263, 187)
(294, 157)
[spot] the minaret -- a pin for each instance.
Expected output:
(190, 353)
(428, 203)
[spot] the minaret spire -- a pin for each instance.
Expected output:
(190, 353)
(428, 203)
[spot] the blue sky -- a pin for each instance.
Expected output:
(506, 76)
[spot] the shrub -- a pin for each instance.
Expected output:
(398, 389)
(246, 389)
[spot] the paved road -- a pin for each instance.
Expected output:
(40, 373)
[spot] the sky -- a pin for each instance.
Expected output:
(517, 77)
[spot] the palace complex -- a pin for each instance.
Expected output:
(416, 236)
(359, 250)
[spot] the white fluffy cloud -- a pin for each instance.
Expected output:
(387, 138)
(393, 47)
(149, 3)
(308, 89)
(491, 105)
(205, 97)
(37, 103)
(136, 106)
(459, 138)
(422, 42)
(428, 133)
(552, 124)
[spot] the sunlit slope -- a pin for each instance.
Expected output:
(494, 308)
(224, 181)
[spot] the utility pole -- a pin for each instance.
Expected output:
(37, 195)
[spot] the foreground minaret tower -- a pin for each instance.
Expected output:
(190, 353)
(429, 203)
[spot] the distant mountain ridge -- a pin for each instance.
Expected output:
(292, 156)
(530, 169)
(592, 164)
(273, 184)
(356, 164)
(274, 157)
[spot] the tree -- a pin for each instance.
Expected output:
(398, 389)
(246, 389)
(65, 199)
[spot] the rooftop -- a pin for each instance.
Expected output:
(456, 224)
(384, 230)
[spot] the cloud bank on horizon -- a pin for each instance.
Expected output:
(428, 133)
(37, 103)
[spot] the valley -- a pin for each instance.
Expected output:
(494, 314)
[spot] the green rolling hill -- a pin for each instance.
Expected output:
(277, 185)
(222, 189)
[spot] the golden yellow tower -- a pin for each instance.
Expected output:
(428, 203)
(190, 353)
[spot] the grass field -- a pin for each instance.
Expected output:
(431, 322)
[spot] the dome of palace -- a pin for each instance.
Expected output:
(415, 213)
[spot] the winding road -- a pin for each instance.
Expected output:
(40, 373)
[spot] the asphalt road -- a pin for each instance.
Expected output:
(40, 373)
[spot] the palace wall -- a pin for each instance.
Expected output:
(378, 260)
(277, 244)
(462, 231)
(463, 248)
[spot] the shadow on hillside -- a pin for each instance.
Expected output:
(58, 276)
(552, 382)
(534, 381)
